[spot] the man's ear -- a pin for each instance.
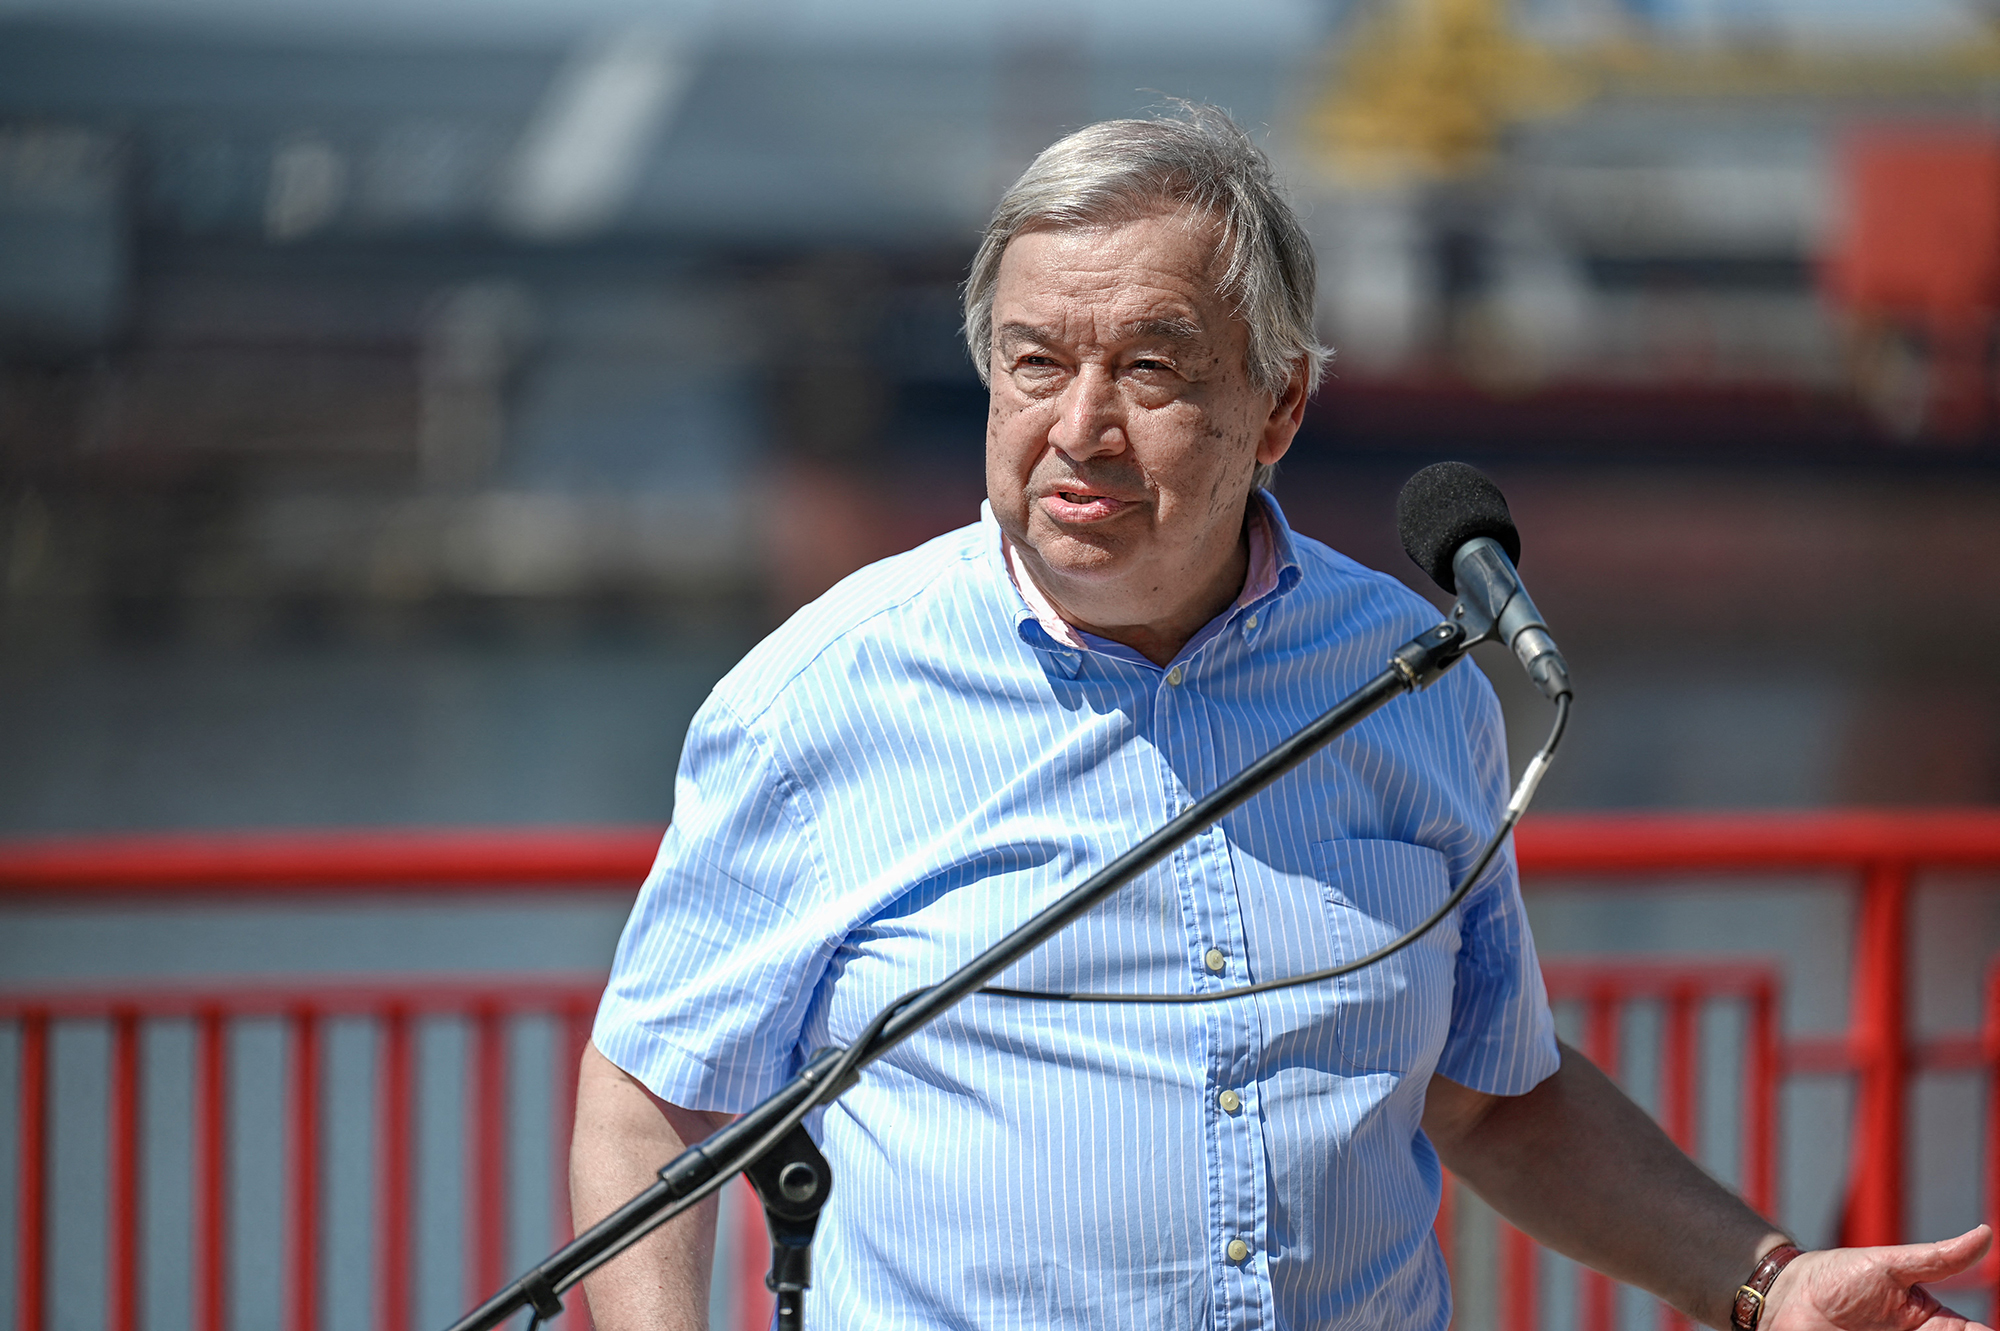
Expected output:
(1287, 413)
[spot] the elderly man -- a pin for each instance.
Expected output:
(949, 739)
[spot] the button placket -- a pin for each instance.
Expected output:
(1234, 1113)
(1238, 1141)
(1187, 751)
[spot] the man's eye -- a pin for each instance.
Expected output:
(1149, 364)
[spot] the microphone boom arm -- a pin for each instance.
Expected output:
(703, 1168)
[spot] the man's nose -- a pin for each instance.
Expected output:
(1090, 420)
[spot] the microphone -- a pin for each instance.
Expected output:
(1455, 526)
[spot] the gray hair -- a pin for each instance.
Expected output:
(1199, 162)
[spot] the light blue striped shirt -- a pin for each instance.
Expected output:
(911, 767)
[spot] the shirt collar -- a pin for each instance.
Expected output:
(1274, 571)
(1284, 568)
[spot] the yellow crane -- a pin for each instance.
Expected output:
(1426, 88)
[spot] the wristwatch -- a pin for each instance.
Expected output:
(1748, 1309)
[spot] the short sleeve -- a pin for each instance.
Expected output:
(1502, 1039)
(719, 958)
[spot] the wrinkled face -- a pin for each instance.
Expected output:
(1124, 431)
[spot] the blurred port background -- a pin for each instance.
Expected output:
(408, 410)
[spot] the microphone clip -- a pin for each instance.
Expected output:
(1428, 655)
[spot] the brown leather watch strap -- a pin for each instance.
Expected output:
(1749, 1307)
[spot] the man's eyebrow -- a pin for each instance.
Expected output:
(1014, 333)
(1165, 330)
(1168, 330)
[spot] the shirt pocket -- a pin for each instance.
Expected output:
(1395, 1014)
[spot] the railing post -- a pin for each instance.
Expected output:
(1519, 1261)
(121, 1257)
(1677, 1097)
(1761, 1077)
(486, 1197)
(304, 1217)
(211, 1172)
(1879, 1036)
(392, 1189)
(1677, 1088)
(1598, 1298)
(31, 1272)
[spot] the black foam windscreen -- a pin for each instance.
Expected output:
(1444, 506)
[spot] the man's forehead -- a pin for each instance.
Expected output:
(1203, 229)
(1145, 279)
(1169, 245)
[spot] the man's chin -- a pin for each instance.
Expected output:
(1078, 555)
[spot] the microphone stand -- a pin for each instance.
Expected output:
(790, 1175)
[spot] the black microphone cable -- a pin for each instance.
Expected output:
(1524, 792)
(857, 1053)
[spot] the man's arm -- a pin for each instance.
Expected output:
(1581, 1168)
(624, 1133)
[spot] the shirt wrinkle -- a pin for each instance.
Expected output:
(791, 792)
(905, 594)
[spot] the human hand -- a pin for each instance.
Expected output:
(1873, 1289)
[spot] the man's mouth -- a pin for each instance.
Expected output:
(1082, 505)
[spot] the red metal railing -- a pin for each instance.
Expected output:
(1880, 852)
(1605, 992)
(304, 1009)
(273, 864)
(1883, 853)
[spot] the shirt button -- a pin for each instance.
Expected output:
(1237, 1250)
(1230, 1102)
(1215, 961)
(1250, 622)
(1174, 676)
